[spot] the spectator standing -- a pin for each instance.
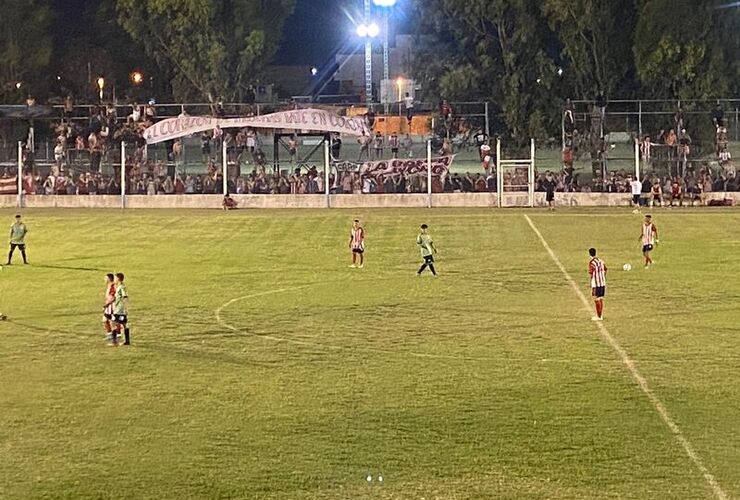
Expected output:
(718, 116)
(408, 144)
(364, 142)
(378, 146)
(549, 186)
(394, 143)
(636, 190)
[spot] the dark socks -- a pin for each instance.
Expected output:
(126, 337)
(421, 269)
(23, 253)
(431, 267)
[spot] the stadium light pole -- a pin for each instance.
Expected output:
(368, 30)
(387, 5)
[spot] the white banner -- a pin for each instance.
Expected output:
(409, 166)
(315, 120)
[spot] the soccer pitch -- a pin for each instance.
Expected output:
(263, 367)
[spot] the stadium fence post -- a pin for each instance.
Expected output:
(637, 159)
(224, 168)
(499, 174)
(639, 118)
(488, 123)
(429, 173)
(19, 176)
(327, 166)
(123, 174)
(531, 172)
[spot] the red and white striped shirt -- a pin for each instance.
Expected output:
(110, 293)
(649, 232)
(597, 270)
(358, 238)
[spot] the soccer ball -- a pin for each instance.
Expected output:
(627, 267)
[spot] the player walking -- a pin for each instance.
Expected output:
(597, 271)
(427, 250)
(649, 238)
(120, 312)
(18, 232)
(357, 244)
(109, 297)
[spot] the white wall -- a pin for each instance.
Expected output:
(320, 201)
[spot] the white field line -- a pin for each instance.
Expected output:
(322, 345)
(637, 377)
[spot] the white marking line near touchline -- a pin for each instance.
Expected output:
(638, 378)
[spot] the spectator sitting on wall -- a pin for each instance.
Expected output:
(229, 203)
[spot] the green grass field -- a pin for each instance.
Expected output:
(263, 367)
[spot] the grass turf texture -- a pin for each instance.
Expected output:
(487, 382)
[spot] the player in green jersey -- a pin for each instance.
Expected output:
(120, 312)
(18, 232)
(427, 250)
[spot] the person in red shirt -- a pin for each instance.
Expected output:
(597, 270)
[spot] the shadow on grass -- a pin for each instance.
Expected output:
(70, 268)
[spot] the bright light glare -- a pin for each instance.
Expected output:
(368, 30)
(314, 71)
(385, 3)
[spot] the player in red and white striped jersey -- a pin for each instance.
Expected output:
(649, 238)
(597, 270)
(357, 244)
(108, 298)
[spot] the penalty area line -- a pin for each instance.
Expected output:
(636, 375)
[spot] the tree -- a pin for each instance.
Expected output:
(25, 48)
(681, 49)
(596, 38)
(211, 48)
(494, 50)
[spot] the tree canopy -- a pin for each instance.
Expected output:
(523, 55)
(211, 49)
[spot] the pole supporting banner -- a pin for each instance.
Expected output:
(123, 175)
(429, 173)
(19, 178)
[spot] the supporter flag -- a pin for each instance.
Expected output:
(9, 185)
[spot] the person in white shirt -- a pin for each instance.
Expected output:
(636, 188)
(408, 102)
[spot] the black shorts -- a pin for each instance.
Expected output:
(22, 246)
(108, 317)
(647, 248)
(550, 196)
(598, 291)
(358, 250)
(429, 259)
(636, 199)
(121, 319)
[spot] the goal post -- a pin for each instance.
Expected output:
(515, 178)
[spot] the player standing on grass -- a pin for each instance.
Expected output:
(18, 232)
(597, 271)
(427, 250)
(357, 244)
(109, 298)
(649, 238)
(120, 312)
